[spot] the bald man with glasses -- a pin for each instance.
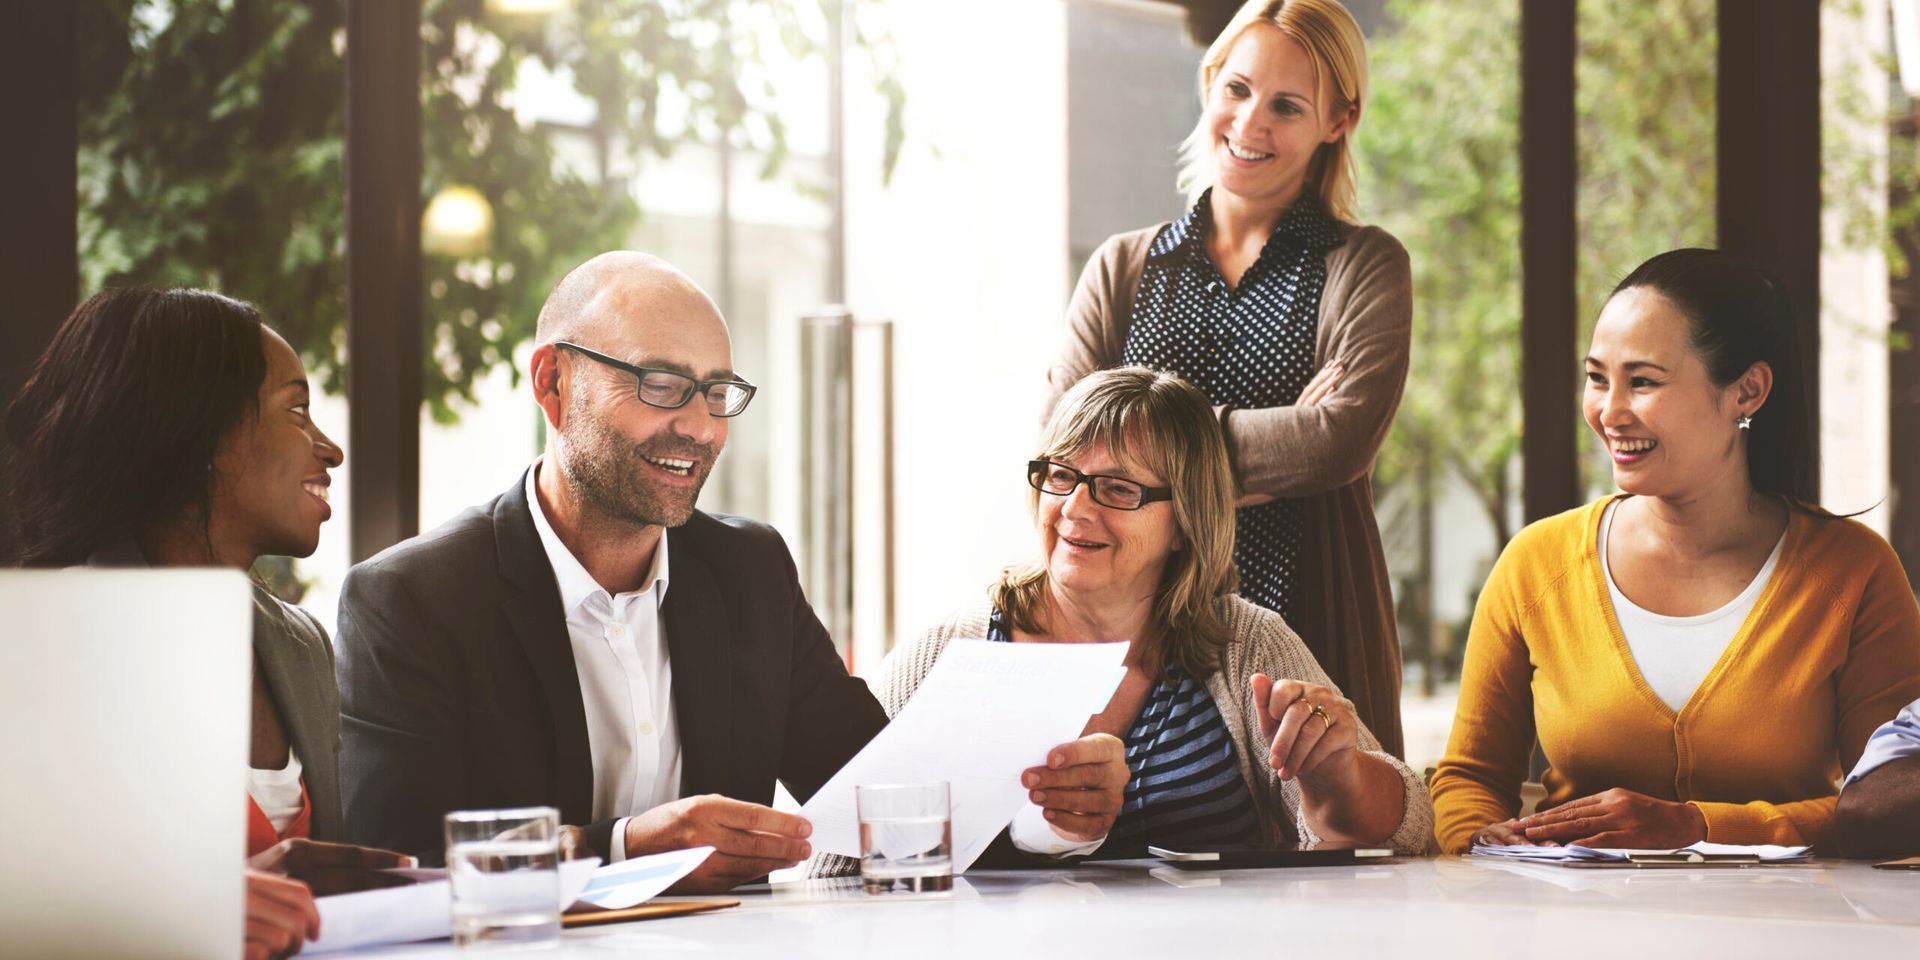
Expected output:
(588, 639)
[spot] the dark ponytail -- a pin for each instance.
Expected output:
(1740, 316)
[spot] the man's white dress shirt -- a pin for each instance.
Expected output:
(626, 682)
(626, 685)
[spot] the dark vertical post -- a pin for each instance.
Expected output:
(39, 196)
(1903, 381)
(1207, 18)
(1550, 473)
(1769, 157)
(384, 339)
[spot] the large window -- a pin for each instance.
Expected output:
(978, 160)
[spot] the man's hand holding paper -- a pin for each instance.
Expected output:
(749, 840)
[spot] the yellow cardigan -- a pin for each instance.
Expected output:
(1830, 651)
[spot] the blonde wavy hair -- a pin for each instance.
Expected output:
(1339, 53)
(1158, 422)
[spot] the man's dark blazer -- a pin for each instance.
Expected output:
(458, 689)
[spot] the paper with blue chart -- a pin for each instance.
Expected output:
(420, 911)
(630, 883)
(423, 910)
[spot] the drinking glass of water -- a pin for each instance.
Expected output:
(906, 837)
(504, 866)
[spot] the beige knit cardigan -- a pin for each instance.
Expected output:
(1323, 453)
(1259, 642)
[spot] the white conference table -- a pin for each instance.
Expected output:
(1430, 908)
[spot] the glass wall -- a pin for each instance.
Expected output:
(984, 157)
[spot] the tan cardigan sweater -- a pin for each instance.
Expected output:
(1323, 453)
(1260, 643)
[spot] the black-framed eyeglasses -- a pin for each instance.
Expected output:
(671, 391)
(1116, 492)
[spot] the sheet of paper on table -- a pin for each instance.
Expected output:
(616, 886)
(985, 713)
(630, 883)
(422, 911)
(1574, 853)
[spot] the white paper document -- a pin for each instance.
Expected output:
(1573, 853)
(983, 715)
(631, 883)
(423, 911)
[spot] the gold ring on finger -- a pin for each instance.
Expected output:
(1325, 717)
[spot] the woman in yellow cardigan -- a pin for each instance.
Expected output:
(1702, 655)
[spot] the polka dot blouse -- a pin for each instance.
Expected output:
(1250, 346)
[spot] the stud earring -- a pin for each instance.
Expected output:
(1745, 422)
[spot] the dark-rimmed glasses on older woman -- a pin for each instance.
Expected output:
(1119, 493)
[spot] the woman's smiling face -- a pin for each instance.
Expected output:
(1265, 117)
(271, 475)
(1668, 428)
(1097, 551)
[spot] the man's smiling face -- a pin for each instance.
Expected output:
(625, 458)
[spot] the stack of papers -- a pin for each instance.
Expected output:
(1697, 853)
(423, 910)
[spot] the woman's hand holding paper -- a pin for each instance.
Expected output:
(1081, 787)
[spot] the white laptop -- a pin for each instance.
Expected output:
(124, 721)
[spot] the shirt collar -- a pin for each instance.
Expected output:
(1304, 227)
(1193, 225)
(577, 586)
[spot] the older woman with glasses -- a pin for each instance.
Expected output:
(1233, 734)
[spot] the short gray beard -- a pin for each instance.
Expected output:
(607, 474)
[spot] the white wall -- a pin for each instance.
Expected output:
(965, 251)
(1855, 311)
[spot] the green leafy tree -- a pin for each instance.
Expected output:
(1440, 164)
(212, 152)
(1440, 147)
(1644, 88)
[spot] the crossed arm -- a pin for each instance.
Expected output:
(1330, 435)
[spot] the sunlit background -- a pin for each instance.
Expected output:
(895, 275)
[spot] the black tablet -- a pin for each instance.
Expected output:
(1243, 858)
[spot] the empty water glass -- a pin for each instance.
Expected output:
(906, 837)
(504, 866)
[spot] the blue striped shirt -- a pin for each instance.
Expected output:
(1186, 789)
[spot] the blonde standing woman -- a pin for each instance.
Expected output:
(1290, 317)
